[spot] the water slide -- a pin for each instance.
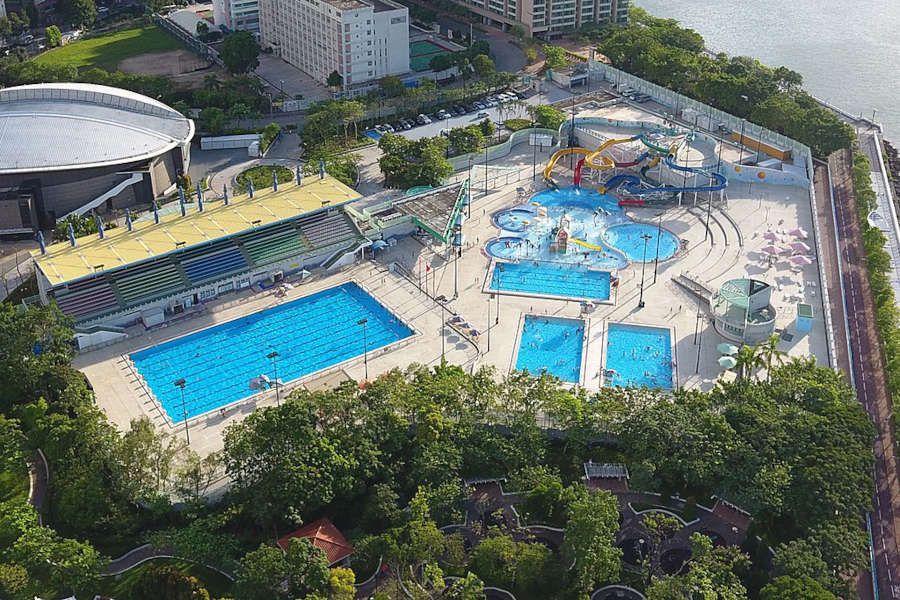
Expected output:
(586, 245)
(632, 183)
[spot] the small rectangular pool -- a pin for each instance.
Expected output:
(309, 334)
(548, 279)
(553, 345)
(637, 355)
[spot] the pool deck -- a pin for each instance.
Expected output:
(732, 250)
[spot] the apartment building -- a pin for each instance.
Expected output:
(363, 40)
(548, 18)
(237, 15)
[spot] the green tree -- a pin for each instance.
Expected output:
(710, 574)
(469, 587)
(80, 13)
(391, 86)
(518, 31)
(240, 52)
(277, 459)
(788, 588)
(5, 27)
(334, 79)
(202, 28)
(441, 62)
(554, 56)
(167, 582)
(213, 120)
(147, 458)
(483, 65)
(546, 116)
(487, 128)
(267, 572)
(54, 36)
(341, 584)
(466, 139)
(590, 540)
(748, 359)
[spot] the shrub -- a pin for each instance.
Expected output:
(517, 124)
(262, 177)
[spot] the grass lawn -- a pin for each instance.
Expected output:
(119, 586)
(107, 51)
(262, 177)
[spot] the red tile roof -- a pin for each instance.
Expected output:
(324, 536)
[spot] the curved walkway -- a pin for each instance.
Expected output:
(142, 554)
(226, 176)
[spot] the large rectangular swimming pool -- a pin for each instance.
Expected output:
(309, 334)
(638, 356)
(553, 345)
(548, 279)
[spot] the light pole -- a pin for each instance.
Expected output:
(499, 272)
(180, 383)
(443, 330)
(658, 237)
(485, 168)
(273, 356)
(646, 237)
(364, 323)
(489, 326)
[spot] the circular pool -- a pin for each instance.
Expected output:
(513, 219)
(507, 248)
(631, 238)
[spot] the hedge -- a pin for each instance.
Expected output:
(879, 265)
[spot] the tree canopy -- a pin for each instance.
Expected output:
(240, 52)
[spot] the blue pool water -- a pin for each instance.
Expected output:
(553, 345)
(550, 279)
(638, 356)
(627, 238)
(586, 213)
(514, 219)
(309, 334)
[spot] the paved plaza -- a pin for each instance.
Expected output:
(732, 247)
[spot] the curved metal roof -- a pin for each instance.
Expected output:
(61, 126)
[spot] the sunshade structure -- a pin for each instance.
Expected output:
(800, 247)
(801, 260)
(771, 250)
(727, 349)
(799, 233)
(771, 235)
(727, 362)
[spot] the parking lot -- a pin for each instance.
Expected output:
(549, 95)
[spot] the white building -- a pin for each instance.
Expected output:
(237, 15)
(363, 40)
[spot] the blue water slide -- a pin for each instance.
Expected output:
(632, 183)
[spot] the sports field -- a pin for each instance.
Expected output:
(421, 52)
(107, 51)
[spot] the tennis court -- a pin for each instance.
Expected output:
(421, 52)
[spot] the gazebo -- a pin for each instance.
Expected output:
(325, 536)
(743, 311)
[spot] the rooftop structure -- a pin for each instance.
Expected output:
(90, 126)
(120, 247)
(73, 147)
(437, 210)
(362, 40)
(325, 536)
(743, 311)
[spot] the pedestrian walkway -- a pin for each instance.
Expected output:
(885, 217)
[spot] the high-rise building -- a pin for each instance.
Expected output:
(546, 18)
(363, 40)
(237, 15)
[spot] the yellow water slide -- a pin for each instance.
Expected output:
(606, 162)
(548, 170)
(585, 244)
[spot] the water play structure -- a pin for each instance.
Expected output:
(636, 186)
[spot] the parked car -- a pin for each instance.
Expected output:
(482, 115)
(407, 124)
(470, 108)
(459, 110)
(423, 119)
(380, 129)
(479, 105)
(398, 126)
(642, 97)
(443, 114)
(387, 127)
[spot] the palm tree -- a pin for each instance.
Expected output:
(747, 359)
(770, 355)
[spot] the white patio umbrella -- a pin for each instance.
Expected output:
(799, 233)
(801, 260)
(728, 362)
(771, 249)
(800, 247)
(771, 235)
